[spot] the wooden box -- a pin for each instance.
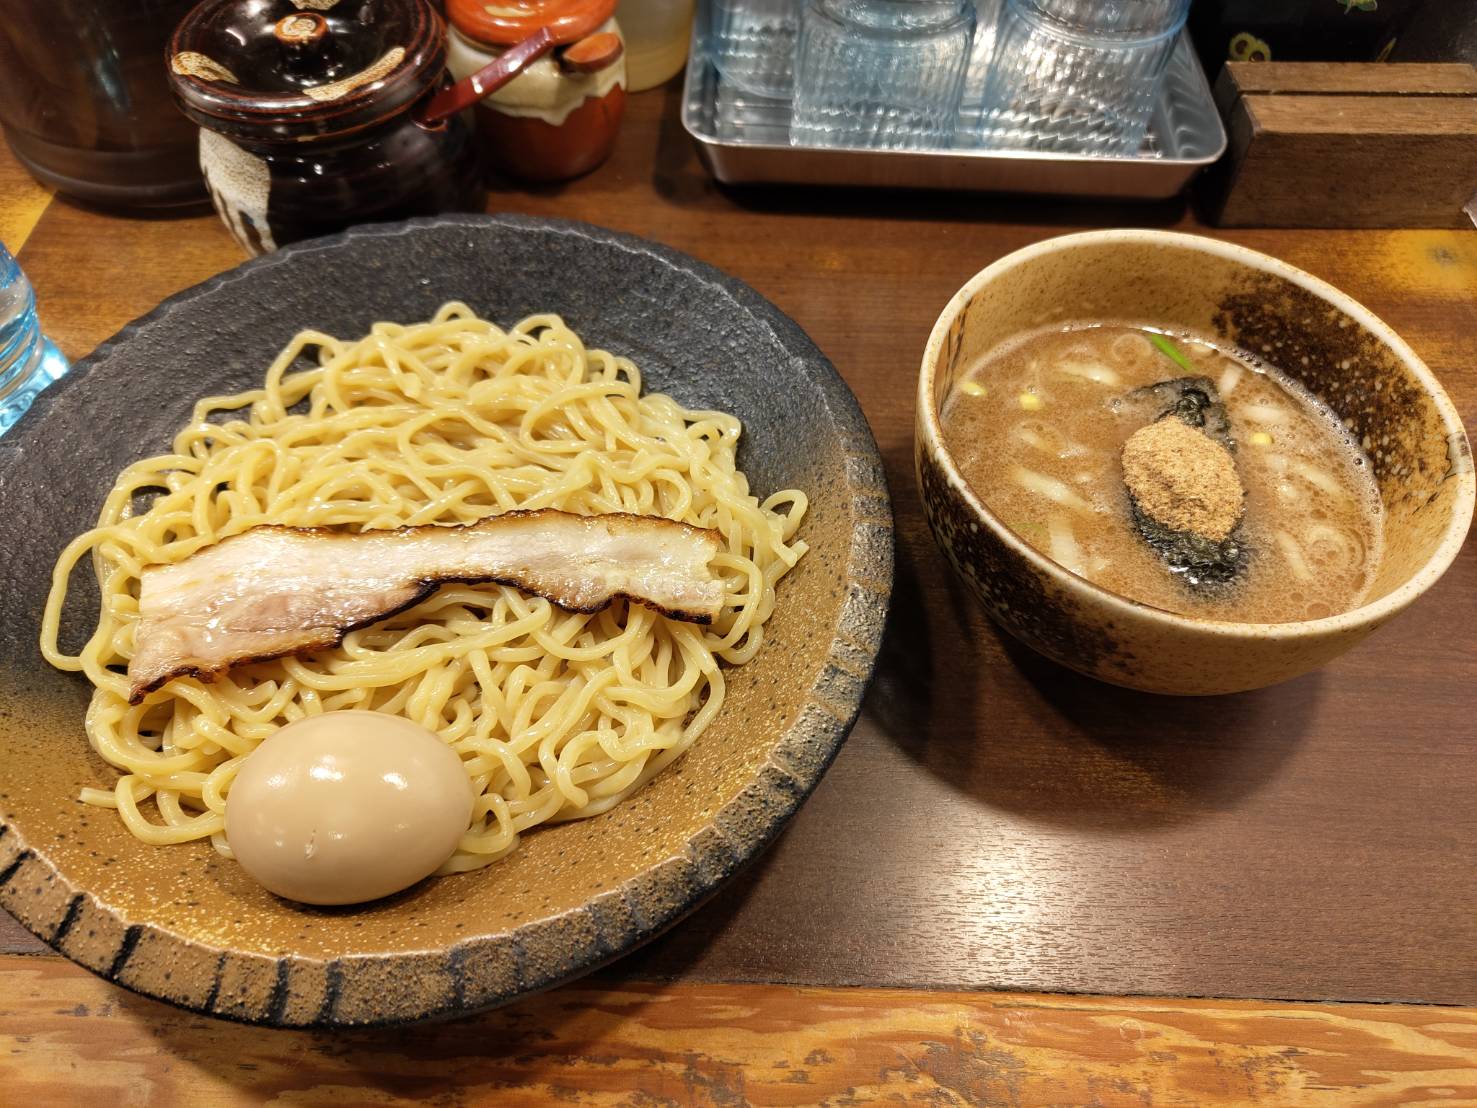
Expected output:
(1339, 144)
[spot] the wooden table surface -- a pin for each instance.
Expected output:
(995, 829)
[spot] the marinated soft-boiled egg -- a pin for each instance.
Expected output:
(347, 806)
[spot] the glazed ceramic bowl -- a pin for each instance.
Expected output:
(185, 925)
(1334, 346)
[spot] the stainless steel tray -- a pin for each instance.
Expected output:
(745, 139)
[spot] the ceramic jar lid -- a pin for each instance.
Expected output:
(296, 69)
(505, 22)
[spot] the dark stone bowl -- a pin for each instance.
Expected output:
(183, 925)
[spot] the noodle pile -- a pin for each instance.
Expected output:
(556, 715)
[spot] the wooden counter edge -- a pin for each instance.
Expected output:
(66, 1036)
(22, 201)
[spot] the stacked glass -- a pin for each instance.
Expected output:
(880, 74)
(1077, 76)
(1069, 76)
(752, 42)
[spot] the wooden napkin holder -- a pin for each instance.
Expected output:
(1342, 144)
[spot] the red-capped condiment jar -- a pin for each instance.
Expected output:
(310, 115)
(559, 117)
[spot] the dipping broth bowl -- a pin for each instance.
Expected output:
(1337, 348)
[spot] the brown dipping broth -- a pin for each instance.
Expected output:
(1037, 430)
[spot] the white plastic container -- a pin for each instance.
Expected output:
(657, 34)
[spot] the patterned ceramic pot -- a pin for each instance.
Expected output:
(1334, 346)
(307, 115)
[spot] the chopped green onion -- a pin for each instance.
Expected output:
(1171, 351)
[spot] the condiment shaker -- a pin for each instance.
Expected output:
(308, 115)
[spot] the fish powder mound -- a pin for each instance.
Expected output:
(1183, 480)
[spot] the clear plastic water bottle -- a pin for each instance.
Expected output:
(29, 361)
(880, 74)
(1077, 76)
(752, 42)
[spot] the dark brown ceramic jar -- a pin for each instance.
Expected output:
(307, 115)
(87, 109)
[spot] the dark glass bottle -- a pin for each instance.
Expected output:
(86, 107)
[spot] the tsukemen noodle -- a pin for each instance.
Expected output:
(496, 535)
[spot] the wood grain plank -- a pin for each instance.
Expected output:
(94, 272)
(69, 1038)
(1350, 78)
(15, 939)
(1430, 118)
(1349, 161)
(22, 200)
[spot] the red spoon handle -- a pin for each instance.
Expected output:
(491, 77)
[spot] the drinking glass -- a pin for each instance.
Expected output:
(752, 42)
(1077, 76)
(882, 74)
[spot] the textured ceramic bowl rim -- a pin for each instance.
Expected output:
(745, 826)
(1374, 612)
